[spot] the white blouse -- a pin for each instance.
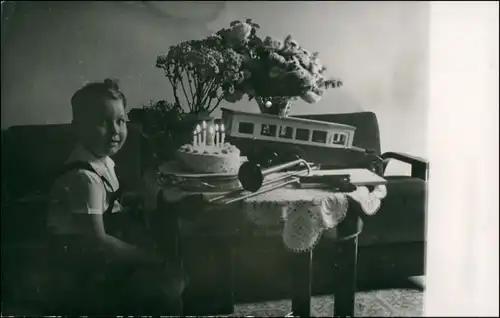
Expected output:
(81, 191)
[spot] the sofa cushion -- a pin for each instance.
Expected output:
(32, 153)
(29, 153)
(30, 156)
(401, 218)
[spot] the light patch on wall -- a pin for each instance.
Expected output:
(406, 82)
(375, 48)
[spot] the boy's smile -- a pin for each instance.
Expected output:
(105, 130)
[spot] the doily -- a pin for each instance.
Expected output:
(307, 213)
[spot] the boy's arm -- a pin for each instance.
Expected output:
(86, 195)
(113, 246)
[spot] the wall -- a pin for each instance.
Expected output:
(379, 50)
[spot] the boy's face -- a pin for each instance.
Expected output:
(104, 130)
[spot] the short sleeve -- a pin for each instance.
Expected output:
(81, 192)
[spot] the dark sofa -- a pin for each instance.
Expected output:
(30, 157)
(392, 244)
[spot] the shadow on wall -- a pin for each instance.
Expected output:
(378, 49)
(54, 47)
(8, 8)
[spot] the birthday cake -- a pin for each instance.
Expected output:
(202, 158)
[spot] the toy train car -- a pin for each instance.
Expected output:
(325, 143)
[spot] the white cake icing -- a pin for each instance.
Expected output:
(210, 158)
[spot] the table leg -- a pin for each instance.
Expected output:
(345, 278)
(226, 286)
(301, 271)
(166, 228)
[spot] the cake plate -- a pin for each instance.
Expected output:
(173, 173)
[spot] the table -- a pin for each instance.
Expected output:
(306, 215)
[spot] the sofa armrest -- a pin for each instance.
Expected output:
(419, 166)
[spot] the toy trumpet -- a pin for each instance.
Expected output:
(252, 177)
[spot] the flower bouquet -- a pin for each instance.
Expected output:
(274, 71)
(200, 71)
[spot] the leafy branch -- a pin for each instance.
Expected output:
(197, 69)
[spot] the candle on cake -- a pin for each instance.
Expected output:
(217, 137)
(204, 126)
(211, 135)
(223, 135)
(195, 137)
(198, 134)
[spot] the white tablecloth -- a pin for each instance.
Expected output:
(304, 213)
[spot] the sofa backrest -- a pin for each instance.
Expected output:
(31, 154)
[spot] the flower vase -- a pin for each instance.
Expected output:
(279, 106)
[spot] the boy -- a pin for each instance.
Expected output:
(83, 204)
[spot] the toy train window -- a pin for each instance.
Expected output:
(268, 130)
(286, 132)
(302, 134)
(245, 128)
(319, 136)
(339, 139)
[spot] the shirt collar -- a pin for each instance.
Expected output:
(80, 153)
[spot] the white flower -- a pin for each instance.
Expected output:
(276, 57)
(306, 52)
(305, 77)
(294, 43)
(316, 65)
(304, 59)
(241, 31)
(273, 44)
(315, 69)
(311, 97)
